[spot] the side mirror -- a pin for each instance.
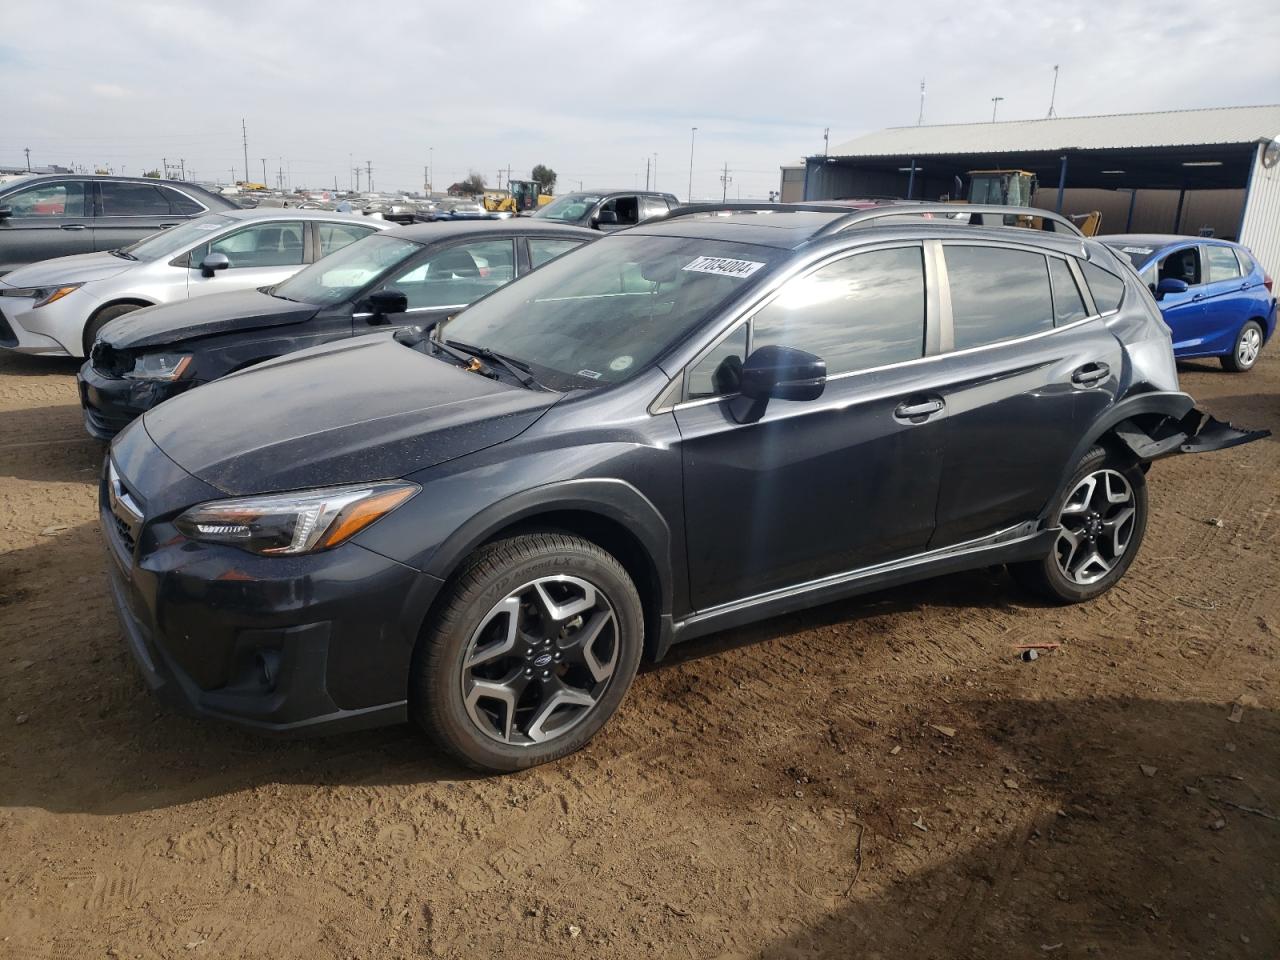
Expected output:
(213, 262)
(6, 213)
(606, 217)
(383, 303)
(781, 373)
(1170, 285)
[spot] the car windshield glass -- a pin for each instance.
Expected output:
(569, 207)
(602, 313)
(343, 273)
(168, 242)
(1137, 253)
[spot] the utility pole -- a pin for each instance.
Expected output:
(995, 102)
(655, 170)
(725, 180)
(646, 173)
(920, 118)
(233, 177)
(280, 174)
(244, 139)
(183, 164)
(164, 168)
(27, 151)
(350, 167)
(264, 171)
(426, 181)
(826, 140)
(693, 136)
(368, 170)
(1054, 95)
(431, 171)
(356, 171)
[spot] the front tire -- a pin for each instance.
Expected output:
(1101, 520)
(101, 319)
(530, 652)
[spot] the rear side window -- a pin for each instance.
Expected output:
(652, 207)
(180, 204)
(335, 236)
(1068, 305)
(1106, 287)
(1222, 264)
(541, 249)
(1246, 262)
(864, 311)
(133, 200)
(997, 294)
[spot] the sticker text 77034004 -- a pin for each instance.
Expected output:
(723, 266)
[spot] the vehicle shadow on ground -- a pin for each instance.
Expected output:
(24, 365)
(48, 445)
(95, 740)
(1246, 411)
(1137, 828)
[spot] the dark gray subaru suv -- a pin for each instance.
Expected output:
(713, 418)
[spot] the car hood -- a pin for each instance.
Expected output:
(349, 412)
(81, 268)
(202, 316)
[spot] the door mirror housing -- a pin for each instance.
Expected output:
(783, 373)
(1170, 285)
(606, 218)
(383, 303)
(213, 262)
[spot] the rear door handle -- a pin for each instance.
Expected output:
(73, 226)
(1090, 374)
(166, 226)
(918, 411)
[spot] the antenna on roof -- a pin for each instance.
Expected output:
(920, 118)
(1054, 95)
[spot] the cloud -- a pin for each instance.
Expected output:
(591, 89)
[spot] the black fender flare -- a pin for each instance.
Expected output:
(608, 498)
(1172, 404)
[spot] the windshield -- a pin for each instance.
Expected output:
(604, 312)
(168, 242)
(572, 206)
(1138, 253)
(347, 271)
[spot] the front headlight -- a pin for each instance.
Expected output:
(43, 296)
(159, 366)
(294, 523)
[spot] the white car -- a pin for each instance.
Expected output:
(56, 307)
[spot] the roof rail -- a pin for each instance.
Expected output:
(746, 206)
(1055, 222)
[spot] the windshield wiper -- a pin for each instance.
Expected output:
(123, 255)
(465, 351)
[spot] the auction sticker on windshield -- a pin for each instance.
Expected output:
(723, 266)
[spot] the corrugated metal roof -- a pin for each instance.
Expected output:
(1116, 131)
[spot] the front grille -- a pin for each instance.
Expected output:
(124, 533)
(7, 337)
(126, 517)
(109, 361)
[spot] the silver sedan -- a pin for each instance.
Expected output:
(56, 307)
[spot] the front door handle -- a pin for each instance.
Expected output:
(918, 410)
(166, 226)
(1198, 296)
(1090, 374)
(73, 226)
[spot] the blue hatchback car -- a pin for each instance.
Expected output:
(1215, 297)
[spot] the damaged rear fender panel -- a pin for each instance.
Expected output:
(1157, 424)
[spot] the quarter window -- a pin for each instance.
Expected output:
(1068, 305)
(719, 372)
(541, 250)
(997, 294)
(262, 245)
(864, 311)
(653, 207)
(1222, 264)
(180, 204)
(1106, 287)
(65, 199)
(132, 200)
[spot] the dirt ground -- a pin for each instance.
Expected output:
(880, 778)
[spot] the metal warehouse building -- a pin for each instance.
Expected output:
(1212, 172)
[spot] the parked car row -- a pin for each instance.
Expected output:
(483, 519)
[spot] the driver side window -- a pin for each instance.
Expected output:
(1182, 265)
(457, 275)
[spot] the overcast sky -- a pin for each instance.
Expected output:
(589, 89)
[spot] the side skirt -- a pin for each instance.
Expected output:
(1023, 542)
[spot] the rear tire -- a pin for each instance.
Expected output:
(1248, 345)
(529, 653)
(101, 319)
(1102, 518)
